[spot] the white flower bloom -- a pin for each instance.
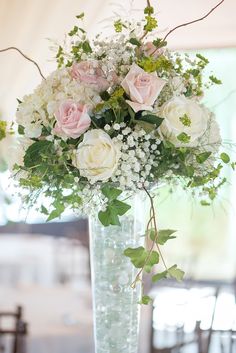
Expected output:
(97, 156)
(184, 121)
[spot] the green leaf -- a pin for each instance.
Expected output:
(225, 157)
(152, 119)
(135, 41)
(37, 152)
(202, 157)
(120, 207)
(21, 130)
(159, 43)
(86, 47)
(3, 129)
(137, 256)
(74, 31)
(183, 137)
(176, 273)
(111, 193)
(109, 217)
(147, 127)
(157, 277)
(145, 300)
(44, 210)
(153, 259)
(215, 80)
(80, 16)
(205, 203)
(163, 235)
(140, 258)
(56, 212)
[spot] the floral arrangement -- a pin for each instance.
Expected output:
(120, 114)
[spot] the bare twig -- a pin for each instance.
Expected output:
(189, 23)
(194, 21)
(148, 3)
(25, 56)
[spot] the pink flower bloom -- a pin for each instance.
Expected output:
(90, 73)
(143, 88)
(72, 119)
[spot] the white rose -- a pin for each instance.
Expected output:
(185, 121)
(97, 156)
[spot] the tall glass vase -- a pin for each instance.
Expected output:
(115, 303)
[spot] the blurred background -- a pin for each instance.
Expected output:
(44, 268)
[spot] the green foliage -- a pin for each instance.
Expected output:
(151, 119)
(202, 157)
(149, 10)
(38, 153)
(115, 207)
(158, 276)
(145, 300)
(3, 129)
(163, 235)
(159, 43)
(176, 273)
(135, 41)
(80, 16)
(118, 25)
(183, 137)
(215, 80)
(225, 157)
(151, 23)
(185, 120)
(161, 65)
(140, 258)
(74, 31)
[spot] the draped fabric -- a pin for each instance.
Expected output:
(27, 23)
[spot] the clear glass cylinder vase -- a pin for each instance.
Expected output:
(115, 303)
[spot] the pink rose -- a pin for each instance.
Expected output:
(90, 73)
(142, 87)
(149, 49)
(72, 119)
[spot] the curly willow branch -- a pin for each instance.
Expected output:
(194, 21)
(25, 56)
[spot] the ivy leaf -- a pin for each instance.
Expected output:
(202, 157)
(109, 217)
(225, 157)
(120, 207)
(163, 235)
(152, 260)
(56, 212)
(145, 300)
(176, 273)
(137, 256)
(111, 193)
(159, 276)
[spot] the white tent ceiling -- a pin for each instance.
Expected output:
(27, 23)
